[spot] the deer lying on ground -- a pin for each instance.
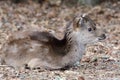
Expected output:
(42, 49)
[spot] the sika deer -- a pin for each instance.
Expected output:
(44, 50)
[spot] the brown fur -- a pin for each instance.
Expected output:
(44, 50)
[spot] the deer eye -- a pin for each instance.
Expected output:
(89, 29)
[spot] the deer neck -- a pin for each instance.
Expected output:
(73, 42)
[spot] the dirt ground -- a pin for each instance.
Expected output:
(101, 60)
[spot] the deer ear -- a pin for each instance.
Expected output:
(84, 18)
(76, 24)
(79, 19)
(84, 15)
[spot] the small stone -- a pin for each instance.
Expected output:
(85, 59)
(81, 78)
(55, 2)
(1, 75)
(0, 24)
(94, 60)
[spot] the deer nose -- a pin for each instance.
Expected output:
(102, 37)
